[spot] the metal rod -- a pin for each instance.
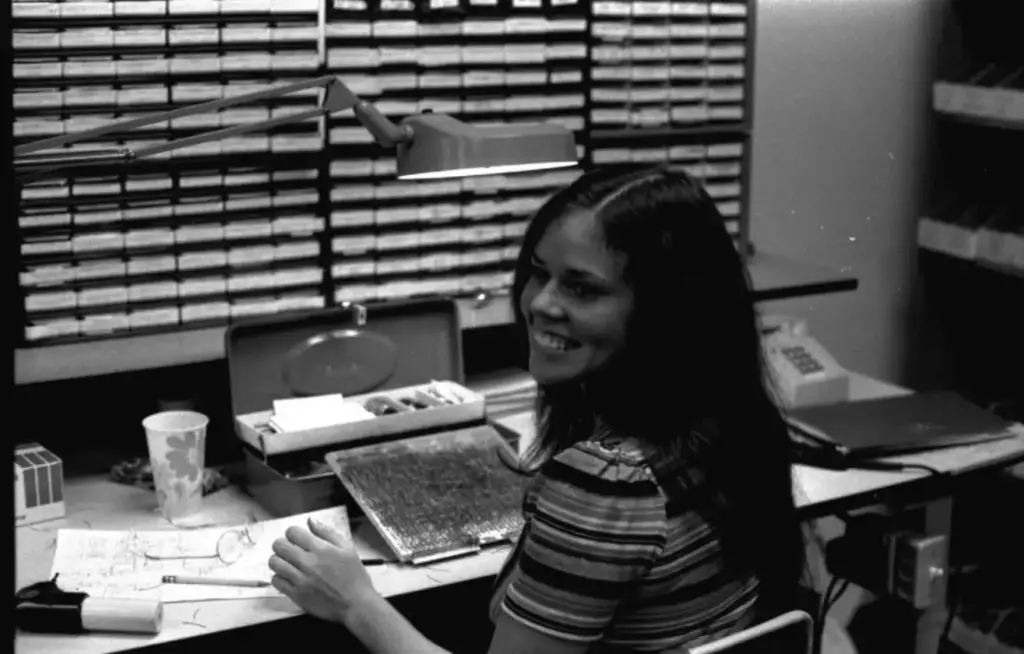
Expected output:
(191, 110)
(66, 158)
(336, 97)
(227, 132)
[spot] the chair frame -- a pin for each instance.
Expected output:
(760, 631)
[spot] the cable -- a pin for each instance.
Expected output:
(917, 466)
(954, 596)
(920, 466)
(837, 586)
(865, 464)
(819, 623)
(832, 458)
(953, 602)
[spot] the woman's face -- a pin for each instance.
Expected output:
(575, 301)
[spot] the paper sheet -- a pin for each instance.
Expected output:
(299, 414)
(114, 564)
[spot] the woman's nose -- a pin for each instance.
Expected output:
(546, 302)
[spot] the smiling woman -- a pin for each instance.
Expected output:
(661, 512)
(643, 340)
(589, 286)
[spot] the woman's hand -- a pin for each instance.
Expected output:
(320, 571)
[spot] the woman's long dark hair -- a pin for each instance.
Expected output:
(692, 382)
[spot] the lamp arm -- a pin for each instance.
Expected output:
(38, 159)
(383, 130)
(190, 110)
(227, 132)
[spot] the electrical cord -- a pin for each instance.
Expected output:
(835, 460)
(837, 586)
(920, 466)
(809, 449)
(953, 602)
(894, 466)
(954, 595)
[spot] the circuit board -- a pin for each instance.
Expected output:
(436, 495)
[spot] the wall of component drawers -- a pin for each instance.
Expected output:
(310, 215)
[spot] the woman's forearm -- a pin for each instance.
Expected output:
(383, 630)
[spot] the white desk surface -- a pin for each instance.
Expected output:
(94, 503)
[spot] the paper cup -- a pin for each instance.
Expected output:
(177, 452)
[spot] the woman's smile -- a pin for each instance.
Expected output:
(553, 342)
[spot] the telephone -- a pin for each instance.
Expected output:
(805, 374)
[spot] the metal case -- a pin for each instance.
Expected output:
(350, 350)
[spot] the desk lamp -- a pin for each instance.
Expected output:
(429, 146)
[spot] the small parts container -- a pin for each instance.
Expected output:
(398, 412)
(383, 356)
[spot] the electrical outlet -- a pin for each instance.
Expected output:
(919, 566)
(880, 555)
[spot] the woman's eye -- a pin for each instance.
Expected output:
(579, 290)
(569, 288)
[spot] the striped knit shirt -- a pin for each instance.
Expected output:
(608, 557)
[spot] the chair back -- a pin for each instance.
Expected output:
(788, 633)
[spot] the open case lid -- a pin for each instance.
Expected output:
(348, 350)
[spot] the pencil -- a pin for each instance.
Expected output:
(215, 581)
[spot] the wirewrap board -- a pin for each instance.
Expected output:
(310, 214)
(436, 495)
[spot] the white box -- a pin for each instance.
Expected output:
(38, 485)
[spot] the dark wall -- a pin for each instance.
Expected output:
(968, 331)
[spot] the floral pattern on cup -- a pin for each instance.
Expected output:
(182, 455)
(177, 496)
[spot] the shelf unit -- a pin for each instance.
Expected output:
(201, 235)
(967, 332)
(148, 264)
(967, 329)
(773, 278)
(976, 213)
(979, 216)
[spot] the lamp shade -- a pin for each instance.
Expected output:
(443, 147)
